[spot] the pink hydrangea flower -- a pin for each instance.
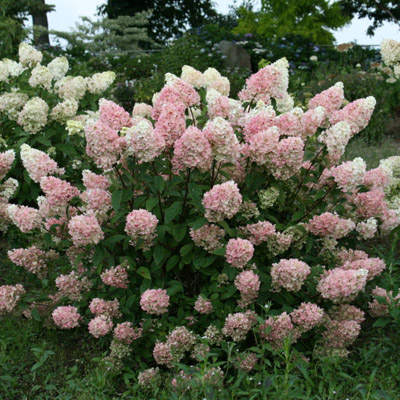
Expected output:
(222, 201)
(208, 237)
(379, 309)
(203, 306)
(155, 301)
(270, 81)
(248, 284)
(103, 144)
(371, 204)
(347, 312)
(171, 122)
(288, 158)
(72, 285)
(340, 334)
(57, 191)
(357, 114)
(97, 202)
(239, 252)
(307, 316)
(114, 115)
(238, 325)
(85, 230)
(331, 225)
(259, 232)
(289, 274)
(376, 178)
(192, 150)
(25, 218)
(217, 105)
(110, 308)
(374, 266)
(162, 354)
(100, 326)
(142, 110)
(349, 174)
(247, 362)
(258, 120)
(145, 142)
(116, 276)
(38, 164)
(290, 123)
(32, 259)
(141, 224)
(125, 332)
(224, 143)
(331, 99)
(342, 285)
(276, 329)
(181, 339)
(9, 297)
(6, 160)
(263, 146)
(94, 181)
(66, 317)
(312, 120)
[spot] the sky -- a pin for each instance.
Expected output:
(68, 12)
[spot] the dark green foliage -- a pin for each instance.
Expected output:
(13, 14)
(169, 17)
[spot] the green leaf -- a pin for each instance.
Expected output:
(130, 301)
(35, 315)
(172, 211)
(151, 203)
(98, 255)
(174, 287)
(114, 239)
(159, 183)
(219, 252)
(186, 249)
(158, 254)
(199, 262)
(380, 323)
(172, 262)
(116, 199)
(66, 148)
(179, 232)
(297, 215)
(144, 272)
(227, 229)
(229, 292)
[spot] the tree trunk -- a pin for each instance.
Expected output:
(39, 19)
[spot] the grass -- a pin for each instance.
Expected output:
(372, 153)
(37, 363)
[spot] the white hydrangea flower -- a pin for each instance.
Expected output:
(41, 76)
(33, 116)
(58, 67)
(29, 56)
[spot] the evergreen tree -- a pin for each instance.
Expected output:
(169, 17)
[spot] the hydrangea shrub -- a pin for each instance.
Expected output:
(42, 115)
(205, 220)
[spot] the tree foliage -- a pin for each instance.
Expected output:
(313, 20)
(378, 11)
(169, 17)
(13, 14)
(107, 35)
